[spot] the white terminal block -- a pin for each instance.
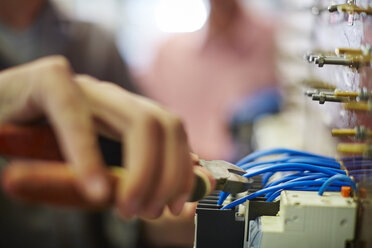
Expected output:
(305, 220)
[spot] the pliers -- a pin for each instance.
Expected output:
(39, 142)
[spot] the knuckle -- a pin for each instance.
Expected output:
(110, 87)
(52, 68)
(175, 124)
(169, 188)
(85, 78)
(57, 63)
(150, 122)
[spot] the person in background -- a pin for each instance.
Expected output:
(202, 76)
(51, 87)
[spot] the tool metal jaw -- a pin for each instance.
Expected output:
(229, 177)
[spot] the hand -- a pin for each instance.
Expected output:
(155, 144)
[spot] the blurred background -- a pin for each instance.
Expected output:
(140, 25)
(234, 71)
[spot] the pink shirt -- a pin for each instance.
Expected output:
(201, 78)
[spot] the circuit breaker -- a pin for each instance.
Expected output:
(324, 61)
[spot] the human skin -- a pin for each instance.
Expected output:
(157, 157)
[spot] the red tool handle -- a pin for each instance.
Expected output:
(33, 142)
(36, 181)
(52, 182)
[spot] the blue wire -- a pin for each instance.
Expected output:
(253, 156)
(223, 196)
(247, 166)
(334, 178)
(274, 195)
(296, 159)
(290, 178)
(304, 178)
(266, 177)
(282, 186)
(284, 179)
(331, 166)
(293, 167)
(293, 161)
(317, 161)
(312, 176)
(294, 176)
(267, 190)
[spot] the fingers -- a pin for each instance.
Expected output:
(177, 168)
(194, 158)
(143, 160)
(175, 181)
(45, 86)
(159, 164)
(156, 149)
(158, 160)
(70, 117)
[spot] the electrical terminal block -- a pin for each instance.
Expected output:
(313, 92)
(360, 133)
(317, 10)
(323, 96)
(351, 57)
(306, 220)
(311, 56)
(350, 61)
(350, 7)
(327, 96)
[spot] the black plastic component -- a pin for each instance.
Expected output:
(223, 228)
(217, 228)
(259, 207)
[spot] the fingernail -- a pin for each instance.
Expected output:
(133, 207)
(177, 205)
(97, 188)
(156, 209)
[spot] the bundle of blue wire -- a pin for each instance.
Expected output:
(307, 172)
